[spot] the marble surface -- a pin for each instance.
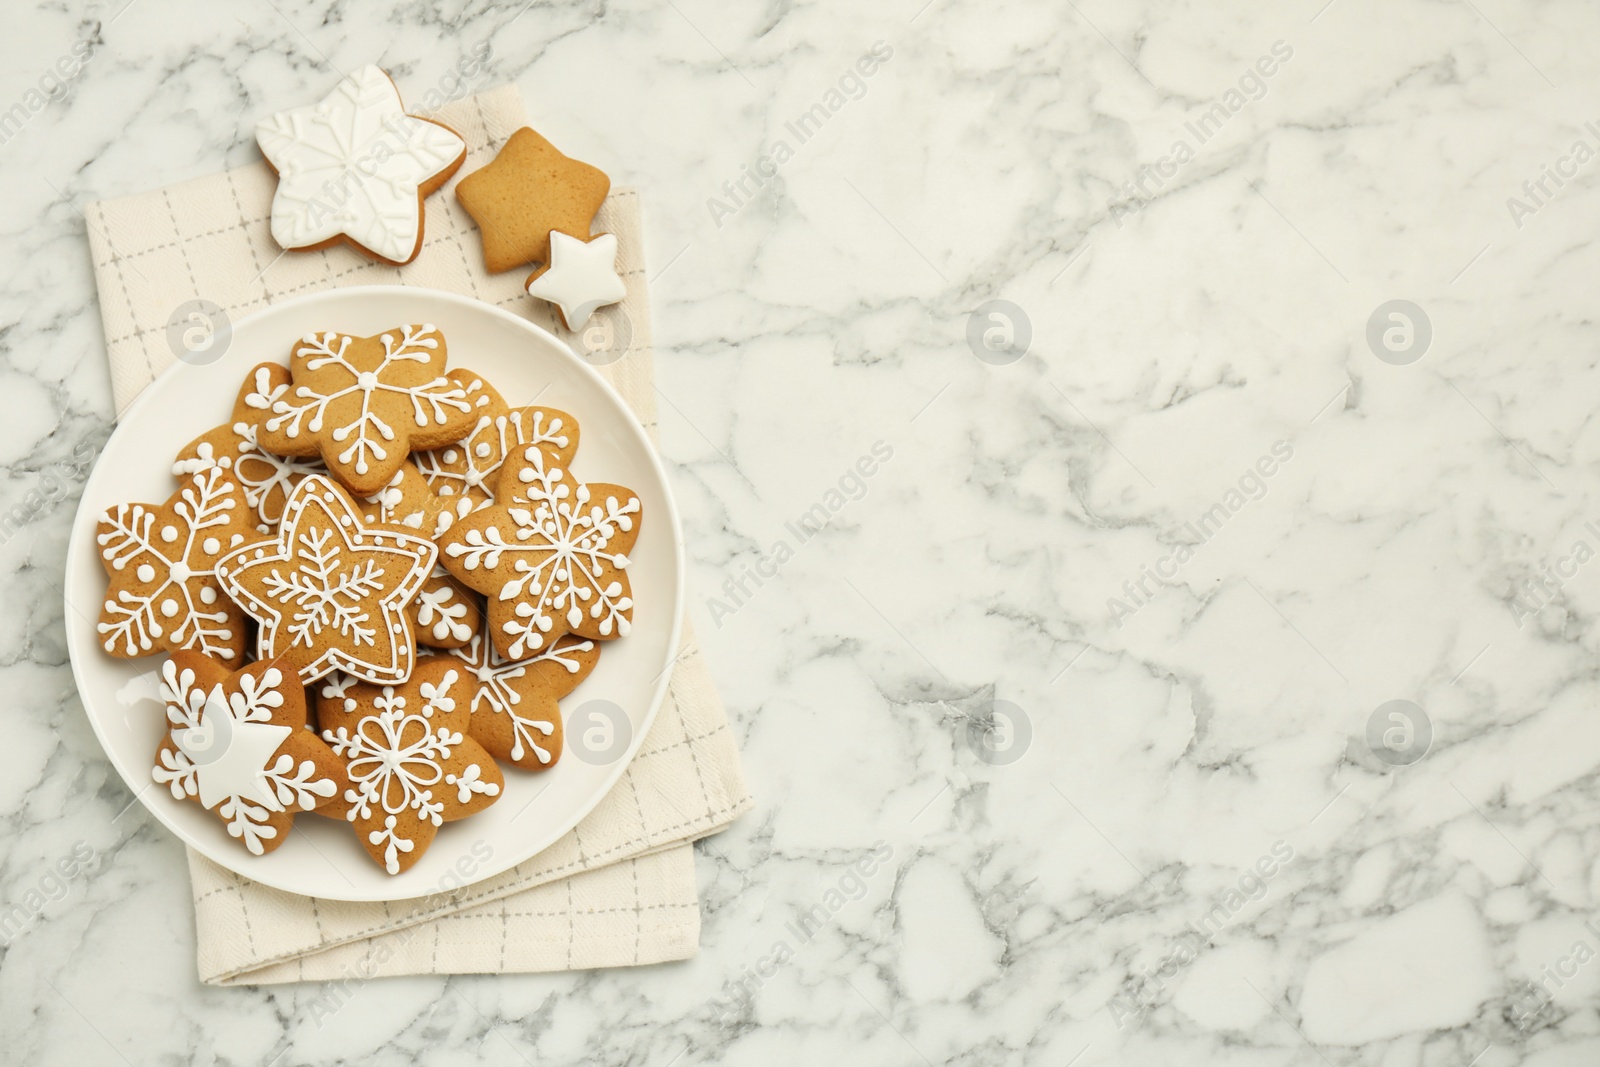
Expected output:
(1070, 729)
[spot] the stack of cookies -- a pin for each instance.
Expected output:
(373, 585)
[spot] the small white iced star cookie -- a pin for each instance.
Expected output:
(581, 276)
(355, 167)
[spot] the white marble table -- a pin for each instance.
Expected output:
(1192, 540)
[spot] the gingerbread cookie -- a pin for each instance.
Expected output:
(329, 591)
(580, 277)
(355, 167)
(411, 765)
(528, 190)
(266, 477)
(365, 402)
(514, 704)
(163, 593)
(237, 745)
(470, 468)
(406, 501)
(550, 554)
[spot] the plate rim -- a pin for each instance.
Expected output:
(470, 305)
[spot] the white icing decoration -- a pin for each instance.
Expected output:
(319, 575)
(386, 504)
(264, 476)
(392, 774)
(429, 401)
(203, 504)
(454, 473)
(440, 610)
(471, 781)
(225, 753)
(582, 276)
(559, 547)
(351, 165)
(494, 674)
(325, 593)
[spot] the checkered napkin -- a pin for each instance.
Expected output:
(620, 888)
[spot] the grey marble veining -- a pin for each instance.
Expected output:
(1068, 728)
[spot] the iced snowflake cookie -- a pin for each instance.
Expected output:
(364, 403)
(529, 189)
(163, 593)
(411, 763)
(330, 592)
(514, 704)
(550, 554)
(265, 477)
(237, 744)
(355, 167)
(469, 469)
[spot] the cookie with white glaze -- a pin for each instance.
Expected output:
(550, 554)
(355, 168)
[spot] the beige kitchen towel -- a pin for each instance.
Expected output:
(619, 889)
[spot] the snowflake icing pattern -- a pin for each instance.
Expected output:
(396, 757)
(328, 591)
(324, 593)
(469, 469)
(172, 560)
(497, 694)
(564, 563)
(431, 402)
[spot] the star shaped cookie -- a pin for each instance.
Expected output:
(330, 592)
(550, 554)
(515, 714)
(237, 744)
(364, 402)
(355, 167)
(528, 190)
(163, 592)
(266, 477)
(581, 276)
(411, 765)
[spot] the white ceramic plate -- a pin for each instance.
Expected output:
(322, 857)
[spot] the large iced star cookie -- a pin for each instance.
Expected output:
(355, 167)
(550, 554)
(237, 744)
(365, 402)
(412, 766)
(163, 594)
(330, 592)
